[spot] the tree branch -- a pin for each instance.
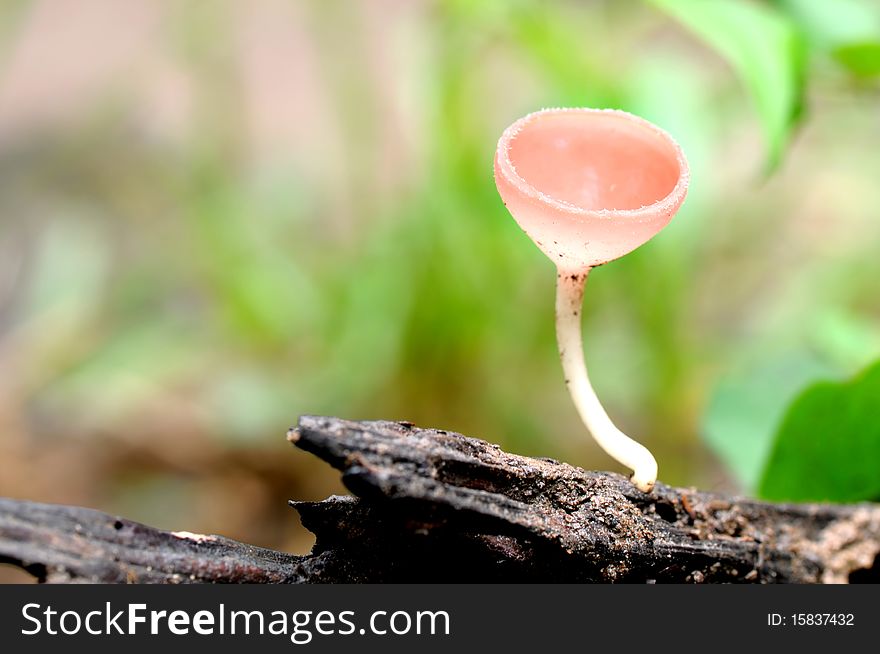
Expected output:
(432, 505)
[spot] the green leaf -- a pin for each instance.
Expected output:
(828, 446)
(746, 409)
(764, 48)
(860, 59)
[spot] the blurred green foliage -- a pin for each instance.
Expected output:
(765, 48)
(317, 230)
(862, 59)
(827, 447)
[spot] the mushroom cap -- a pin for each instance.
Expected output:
(589, 185)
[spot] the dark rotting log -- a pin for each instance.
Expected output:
(431, 505)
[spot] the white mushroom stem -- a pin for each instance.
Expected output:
(635, 456)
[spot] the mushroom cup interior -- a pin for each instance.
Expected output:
(595, 160)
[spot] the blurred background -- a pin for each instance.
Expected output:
(217, 216)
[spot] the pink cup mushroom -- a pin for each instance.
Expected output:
(588, 186)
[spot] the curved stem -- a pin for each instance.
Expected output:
(569, 300)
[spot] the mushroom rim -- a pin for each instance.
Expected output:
(666, 204)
